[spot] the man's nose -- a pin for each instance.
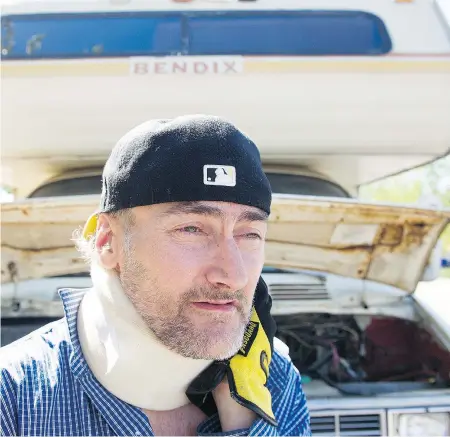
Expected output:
(227, 269)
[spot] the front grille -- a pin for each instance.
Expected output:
(323, 425)
(298, 291)
(346, 424)
(367, 425)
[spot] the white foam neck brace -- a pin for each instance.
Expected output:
(124, 355)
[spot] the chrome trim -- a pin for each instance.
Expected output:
(431, 398)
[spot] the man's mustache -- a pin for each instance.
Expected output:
(203, 294)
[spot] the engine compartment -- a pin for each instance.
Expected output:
(363, 355)
(351, 355)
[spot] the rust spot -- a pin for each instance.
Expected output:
(419, 230)
(357, 248)
(391, 235)
(415, 233)
(12, 269)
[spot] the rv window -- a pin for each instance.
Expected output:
(288, 33)
(193, 33)
(281, 183)
(91, 35)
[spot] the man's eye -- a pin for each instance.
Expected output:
(191, 229)
(253, 236)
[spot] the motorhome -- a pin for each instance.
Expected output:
(335, 94)
(351, 89)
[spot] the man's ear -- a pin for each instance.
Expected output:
(106, 243)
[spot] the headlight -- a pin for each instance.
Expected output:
(423, 424)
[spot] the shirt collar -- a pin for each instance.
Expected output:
(71, 299)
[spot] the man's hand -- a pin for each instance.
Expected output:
(232, 415)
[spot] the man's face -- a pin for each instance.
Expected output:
(191, 270)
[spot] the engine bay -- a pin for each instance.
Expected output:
(340, 355)
(364, 355)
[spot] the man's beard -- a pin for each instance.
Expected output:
(169, 320)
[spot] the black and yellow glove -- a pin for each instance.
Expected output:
(247, 371)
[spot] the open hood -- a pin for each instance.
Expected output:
(387, 244)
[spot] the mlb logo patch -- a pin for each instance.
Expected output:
(221, 175)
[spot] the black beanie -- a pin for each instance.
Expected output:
(188, 158)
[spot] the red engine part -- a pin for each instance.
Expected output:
(400, 350)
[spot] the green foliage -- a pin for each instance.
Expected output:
(393, 192)
(416, 187)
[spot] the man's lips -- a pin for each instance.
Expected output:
(216, 305)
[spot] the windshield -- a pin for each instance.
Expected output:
(281, 183)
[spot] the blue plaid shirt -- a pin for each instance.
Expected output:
(47, 389)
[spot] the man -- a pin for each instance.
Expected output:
(175, 337)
